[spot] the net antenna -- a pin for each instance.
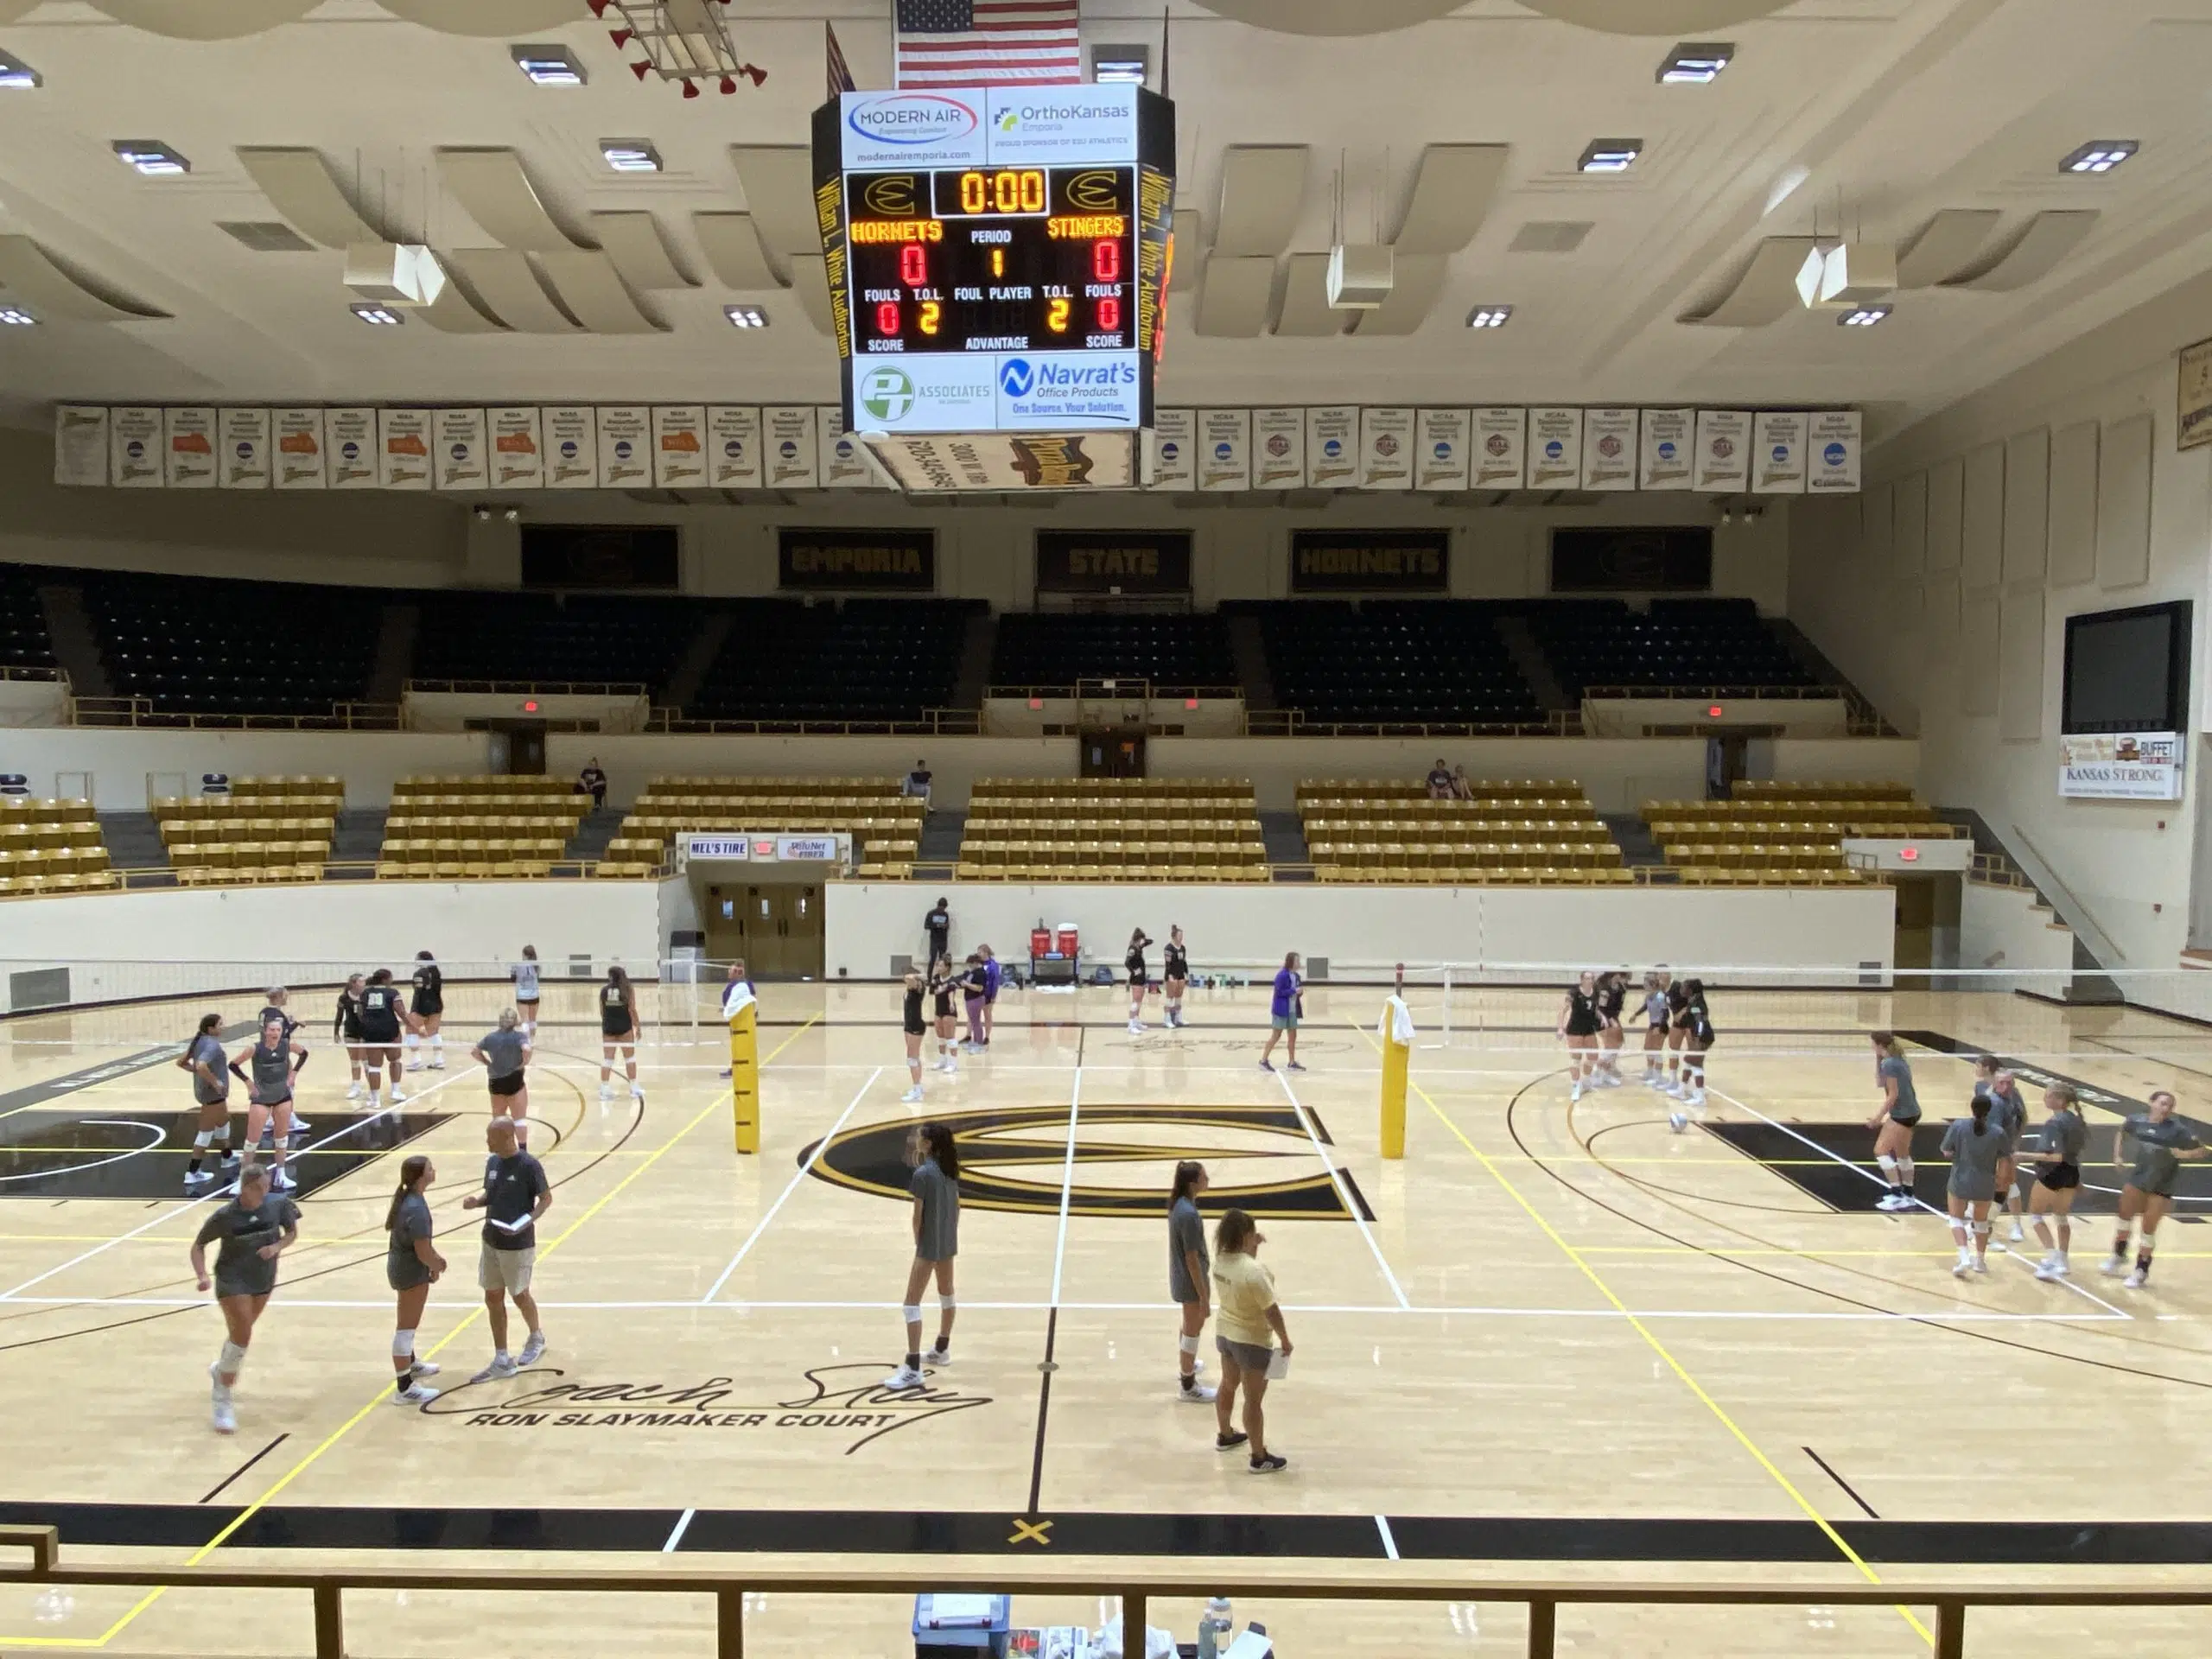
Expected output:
(686, 41)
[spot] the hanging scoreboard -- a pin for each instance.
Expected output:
(998, 262)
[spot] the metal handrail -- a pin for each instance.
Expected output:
(32, 671)
(139, 711)
(934, 722)
(1136, 1588)
(1292, 722)
(1695, 693)
(1134, 688)
(531, 688)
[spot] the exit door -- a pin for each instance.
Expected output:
(1113, 754)
(775, 926)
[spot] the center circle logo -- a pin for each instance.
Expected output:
(887, 394)
(1017, 377)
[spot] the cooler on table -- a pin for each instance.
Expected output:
(1040, 943)
(1067, 941)
(962, 1627)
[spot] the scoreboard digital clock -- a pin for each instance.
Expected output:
(997, 260)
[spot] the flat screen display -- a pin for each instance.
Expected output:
(2127, 671)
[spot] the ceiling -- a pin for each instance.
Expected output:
(1937, 124)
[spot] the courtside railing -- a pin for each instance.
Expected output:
(1541, 1598)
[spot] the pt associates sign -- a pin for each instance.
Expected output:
(2122, 767)
(1371, 560)
(857, 560)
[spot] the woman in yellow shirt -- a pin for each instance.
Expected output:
(1245, 1318)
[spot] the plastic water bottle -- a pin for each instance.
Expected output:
(1213, 1628)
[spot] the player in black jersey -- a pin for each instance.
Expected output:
(910, 1017)
(380, 1016)
(618, 1028)
(1677, 994)
(1138, 979)
(1175, 975)
(345, 1027)
(1612, 995)
(943, 982)
(273, 1007)
(1695, 1024)
(1579, 1025)
(428, 1014)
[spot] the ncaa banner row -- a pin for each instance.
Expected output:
(525, 447)
(1716, 451)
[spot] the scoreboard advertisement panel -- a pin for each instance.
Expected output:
(998, 257)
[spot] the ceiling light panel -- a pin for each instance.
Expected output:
(15, 317)
(745, 316)
(1696, 63)
(1863, 316)
(629, 156)
(151, 157)
(1112, 64)
(15, 75)
(1489, 316)
(381, 316)
(549, 66)
(1609, 154)
(2099, 155)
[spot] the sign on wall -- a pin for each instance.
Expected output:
(2122, 767)
(1112, 561)
(2193, 407)
(899, 560)
(1371, 560)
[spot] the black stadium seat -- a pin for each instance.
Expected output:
(601, 639)
(1175, 650)
(871, 661)
(1703, 646)
(207, 645)
(1401, 662)
(23, 642)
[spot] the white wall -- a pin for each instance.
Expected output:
(2004, 927)
(1370, 927)
(1944, 590)
(121, 759)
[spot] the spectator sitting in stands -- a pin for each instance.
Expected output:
(1440, 781)
(593, 782)
(1461, 789)
(917, 780)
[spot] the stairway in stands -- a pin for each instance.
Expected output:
(134, 842)
(1284, 835)
(1637, 844)
(76, 646)
(598, 827)
(939, 852)
(357, 839)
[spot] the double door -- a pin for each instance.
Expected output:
(775, 926)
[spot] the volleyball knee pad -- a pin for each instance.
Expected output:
(948, 1303)
(204, 1140)
(914, 1312)
(1889, 1165)
(1189, 1345)
(233, 1359)
(403, 1343)
(1980, 1229)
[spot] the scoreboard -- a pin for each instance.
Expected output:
(998, 260)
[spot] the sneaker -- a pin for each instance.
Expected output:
(421, 1368)
(913, 1095)
(353, 1090)
(2111, 1267)
(1230, 1441)
(905, 1377)
(2134, 1281)
(1893, 1201)
(397, 1097)
(196, 1179)
(606, 1091)
(281, 1182)
(2049, 1269)
(1197, 1394)
(373, 1104)
(532, 1351)
(414, 1395)
(1136, 1028)
(1269, 1464)
(1695, 1097)
(225, 1420)
(637, 1092)
(2017, 1236)
(1292, 1065)
(2061, 1268)
(439, 1064)
(1575, 1093)
(1962, 1267)
(502, 1367)
(415, 1065)
(1264, 1066)
(1981, 1264)
(300, 1127)
(937, 1356)
(1677, 1090)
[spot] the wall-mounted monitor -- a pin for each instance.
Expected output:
(2127, 671)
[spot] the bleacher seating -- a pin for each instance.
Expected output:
(51, 847)
(1112, 829)
(199, 645)
(1179, 652)
(1392, 663)
(452, 828)
(23, 641)
(1703, 646)
(884, 823)
(1786, 833)
(871, 661)
(262, 829)
(545, 638)
(1512, 830)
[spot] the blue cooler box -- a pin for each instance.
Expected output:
(941, 1633)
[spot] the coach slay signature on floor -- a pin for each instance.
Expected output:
(843, 1397)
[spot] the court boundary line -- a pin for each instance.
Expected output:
(805, 1168)
(1344, 1193)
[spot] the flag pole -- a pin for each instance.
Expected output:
(1166, 16)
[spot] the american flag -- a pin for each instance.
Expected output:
(988, 43)
(840, 73)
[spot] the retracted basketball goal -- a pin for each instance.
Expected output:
(687, 41)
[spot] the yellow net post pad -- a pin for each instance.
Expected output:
(745, 1079)
(1396, 1054)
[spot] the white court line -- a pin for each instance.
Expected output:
(1860, 1169)
(805, 1170)
(224, 1191)
(675, 1538)
(1389, 1543)
(1344, 1193)
(1067, 1185)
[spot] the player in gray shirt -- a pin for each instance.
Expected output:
(1894, 1123)
(411, 1265)
(1975, 1147)
(936, 1187)
(2008, 1112)
(2161, 1141)
(251, 1231)
(505, 1054)
(1188, 1277)
(2059, 1145)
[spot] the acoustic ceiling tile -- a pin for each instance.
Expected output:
(491, 185)
(732, 245)
(1452, 188)
(779, 181)
(303, 188)
(29, 276)
(1767, 290)
(1417, 280)
(1262, 188)
(454, 313)
(633, 241)
(810, 277)
(2031, 256)
(1944, 245)
(503, 279)
(1306, 314)
(590, 288)
(1233, 298)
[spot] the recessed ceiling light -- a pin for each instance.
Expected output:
(1611, 154)
(151, 157)
(382, 315)
(15, 75)
(549, 66)
(1696, 63)
(2100, 155)
(630, 154)
(1120, 64)
(12, 318)
(745, 316)
(1489, 316)
(1863, 316)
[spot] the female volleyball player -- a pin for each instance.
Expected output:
(1612, 996)
(2059, 1177)
(524, 974)
(618, 1028)
(943, 982)
(381, 1034)
(994, 977)
(204, 1059)
(1894, 1122)
(1188, 1274)
(275, 1059)
(428, 1012)
(1975, 1147)
(1578, 1027)
(2161, 1142)
(505, 1054)
(1677, 994)
(1245, 1295)
(1133, 961)
(936, 1187)
(1284, 1012)
(345, 1027)
(251, 1230)
(2008, 1114)
(1696, 1020)
(911, 1018)
(1175, 975)
(1655, 1019)
(411, 1265)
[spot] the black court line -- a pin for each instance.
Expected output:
(243, 1467)
(1044, 1406)
(1346, 1537)
(1840, 1481)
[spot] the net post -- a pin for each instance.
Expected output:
(1950, 1630)
(1543, 1627)
(329, 1619)
(729, 1621)
(1448, 1005)
(1133, 1621)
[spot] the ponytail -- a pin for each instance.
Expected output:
(410, 1170)
(209, 1023)
(1980, 1107)
(1186, 1175)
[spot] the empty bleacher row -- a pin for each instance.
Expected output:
(50, 846)
(1520, 830)
(24, 642)
(545, 638)
(265, 830)
(193, 645)
(487, 824)
(1113, 829)
(884, 823)
(1175, 652)
(1392, 663)
(875, 661)
(1710, 646)
(1768, 831)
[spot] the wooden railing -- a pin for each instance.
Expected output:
(1135, 1587)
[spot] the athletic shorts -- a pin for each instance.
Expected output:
(510, 1084)
(621, 1034)
(917, 1031)
(1249, 1356)
(2060, 1177)
(429, 1005)
(284, 1099)
(1285, 1021)
(507, 1270)
(379, 1039)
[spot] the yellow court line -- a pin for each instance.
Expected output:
(384, 1395)
(1672, 1363)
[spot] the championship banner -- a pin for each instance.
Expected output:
(403, 449)
(81, 445)
(243, 440)
(457, 449)
(517, 447)
(625, 446)
(734, 444)
(679, 446)
(299, 448)
(188, 445)
(1174, 449)
(1114, 561)
(1278, 449)
(2123, 766)
(1332, 448)
(1371, 560)
(1609, 449)
(1554, 448)
(855, 560)
(1778, 452)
